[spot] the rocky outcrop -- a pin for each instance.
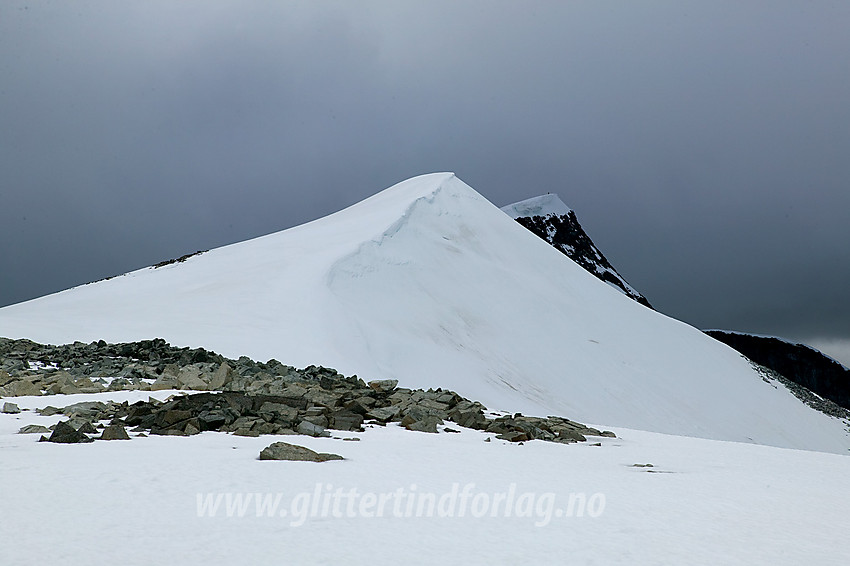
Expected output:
(250, 398)
(798, 363)
(557, 225)
(312, 409)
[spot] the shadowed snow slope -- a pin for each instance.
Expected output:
(429, 283)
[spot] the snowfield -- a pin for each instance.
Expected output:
(148, 500)
(428, 283)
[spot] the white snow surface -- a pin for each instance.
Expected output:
(542, 205)
(429, 283)
(136, 502)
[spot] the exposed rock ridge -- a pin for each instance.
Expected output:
(566, 235)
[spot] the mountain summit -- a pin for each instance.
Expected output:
(554, 222)
(429, 283)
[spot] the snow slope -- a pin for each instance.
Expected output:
(136, 502)
(430, 283)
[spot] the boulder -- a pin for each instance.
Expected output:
(310, 429)
(86, 385)
(469, 417)
(571, 435)
(267, 428)
(285, 451)
(19, 389)
(69, 389)
(190, 378)
(246, 432)
(10, 408)
(164, 382)
(427, 424)
(361, 405)
(322, 398)
(320, 420)
(66, 434)
(48, 411)
(136, 413)
(294, 392)
(33, 429)
(88, 410)
(315, 412)
(84, 426)
(400, 396)
(513, 436)
(212, 420)
(383, 385)
(434, 405)
(221, 377)
(278, 411)
(62, 382)
(114, 432)
(246, 423)
(170, 417)
(384, 414)
(345, 420)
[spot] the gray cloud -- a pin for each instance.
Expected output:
(703, 145)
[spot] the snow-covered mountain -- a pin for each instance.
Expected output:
(553, 221)
(429, 283)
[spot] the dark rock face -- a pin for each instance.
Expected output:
(566, 235)
(799, 363)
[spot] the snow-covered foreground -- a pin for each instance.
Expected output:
(429, 283)
(150, 500)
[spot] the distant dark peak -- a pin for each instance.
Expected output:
(555, 223)
(801, 364)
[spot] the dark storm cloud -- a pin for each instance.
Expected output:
(703, 145)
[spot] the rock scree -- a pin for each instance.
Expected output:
(240, 396)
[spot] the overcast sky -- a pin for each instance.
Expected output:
(705, 146)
